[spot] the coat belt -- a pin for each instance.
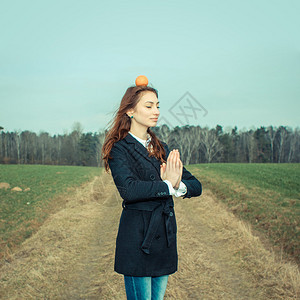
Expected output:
(158, 209)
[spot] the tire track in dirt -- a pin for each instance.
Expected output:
(95, 278)
(72, 255)
(220, 258)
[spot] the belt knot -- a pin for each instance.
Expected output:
(163, 209)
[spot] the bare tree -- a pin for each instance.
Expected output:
(282, 134)
(17, 143)
(294, 145)
(1, 145)
(43, 145)
(25, 146)
(187, 139)
(252, 146)
(99, 143)
(190, 140)
(271, 134)
(210, 144)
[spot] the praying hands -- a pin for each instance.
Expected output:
(172, 171)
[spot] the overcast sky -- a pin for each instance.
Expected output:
(236, 62)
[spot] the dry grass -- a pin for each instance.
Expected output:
(72, 254)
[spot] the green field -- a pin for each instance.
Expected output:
(265, 195)
(21, 213)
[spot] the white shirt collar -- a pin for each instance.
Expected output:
(143, 142)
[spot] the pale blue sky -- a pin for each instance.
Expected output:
(67, 61)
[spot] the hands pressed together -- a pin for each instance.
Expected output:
(172, 171)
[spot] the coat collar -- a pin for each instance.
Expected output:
(129, 139)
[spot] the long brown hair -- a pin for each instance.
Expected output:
(121, 125)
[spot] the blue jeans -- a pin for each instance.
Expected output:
(145, 288)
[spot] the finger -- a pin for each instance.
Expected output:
(170, 161)
(170, 155)
(178, 157)
(177, 160)
(174, 159)
(168, 165)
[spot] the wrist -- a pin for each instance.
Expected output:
(176, 186)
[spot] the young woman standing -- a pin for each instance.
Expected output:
(146, 174)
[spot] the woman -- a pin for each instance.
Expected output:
(146, 175)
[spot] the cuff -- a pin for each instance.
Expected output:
(171, 189)
(179, 192)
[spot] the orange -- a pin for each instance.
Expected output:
(141, 80)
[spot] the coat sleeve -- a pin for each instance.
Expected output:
(194, 186)
(130, 187)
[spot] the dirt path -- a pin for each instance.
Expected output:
(72, 255)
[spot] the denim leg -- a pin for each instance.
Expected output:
(138, 288)
(158, 287)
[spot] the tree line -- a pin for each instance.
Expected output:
(196, 145)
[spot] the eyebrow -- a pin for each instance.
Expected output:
(151, 101)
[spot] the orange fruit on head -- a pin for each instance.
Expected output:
(141, 80)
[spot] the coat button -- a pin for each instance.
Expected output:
(171, 214)
(152, 177)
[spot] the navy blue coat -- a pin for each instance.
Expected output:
(146, 243)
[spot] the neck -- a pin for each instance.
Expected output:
(142, 134)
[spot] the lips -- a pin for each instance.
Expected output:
(155, 119)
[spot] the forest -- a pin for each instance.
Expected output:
(196, 145)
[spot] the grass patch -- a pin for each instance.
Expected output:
(265, 195)
(21, 213)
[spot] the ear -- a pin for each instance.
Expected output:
(130, 112)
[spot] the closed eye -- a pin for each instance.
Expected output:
(150, 106)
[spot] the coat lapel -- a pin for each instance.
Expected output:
(143, 151)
